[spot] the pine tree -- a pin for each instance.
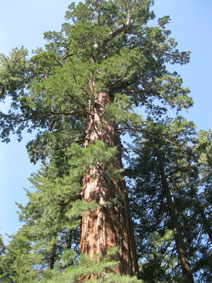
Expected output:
(170, 188)
(159, 170)
(80, 94)
(201, 187)
(17, 263)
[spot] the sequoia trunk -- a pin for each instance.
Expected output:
(110, 225)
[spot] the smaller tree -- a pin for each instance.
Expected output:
(17, 263)
(159, 171)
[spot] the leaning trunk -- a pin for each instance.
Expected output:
(181, 249)
(110, 225)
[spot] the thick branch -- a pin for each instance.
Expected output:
(67, 201)
(123, 28)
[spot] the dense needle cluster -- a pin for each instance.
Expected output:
(124, 189)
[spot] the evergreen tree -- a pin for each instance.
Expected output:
(169, 201)
(201, 187)
(17, 263)
(80, 94)
(158, 170)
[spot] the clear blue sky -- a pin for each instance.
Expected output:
(23, 22)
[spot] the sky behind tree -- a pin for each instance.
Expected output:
(23, 22)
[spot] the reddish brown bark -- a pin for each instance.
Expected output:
(109, 225)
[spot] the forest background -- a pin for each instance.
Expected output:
(23, 23)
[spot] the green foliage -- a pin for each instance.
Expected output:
(121, 112)
(132, 62)
(110, 47)
(100, 267)
(17, 264)
(174, 147)
(13, 73)
(153, 269)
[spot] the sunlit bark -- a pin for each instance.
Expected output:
(110, 225)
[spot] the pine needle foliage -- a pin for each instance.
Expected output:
(103, 77)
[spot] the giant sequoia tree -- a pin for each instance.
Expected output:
(80, 95)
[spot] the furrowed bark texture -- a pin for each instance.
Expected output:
(110, 225)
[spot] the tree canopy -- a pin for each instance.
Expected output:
(104, 207)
